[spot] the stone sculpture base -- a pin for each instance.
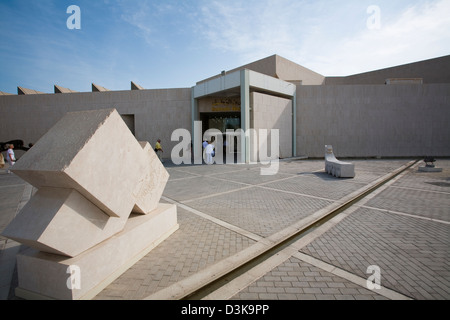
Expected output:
(430, 169)
(48, 276)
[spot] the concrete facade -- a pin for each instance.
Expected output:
(398, 111)
(154, 113)
(374, 120)
(431, 71)
(274, 113)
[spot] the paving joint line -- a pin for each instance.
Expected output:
(262, 186)
(219, 222)
(241, 282)
(210, 274)
(383, 291)
(246, 186)
(406, 214)
(185, 178)
(423, 190)
(13, 185)
(217, 194)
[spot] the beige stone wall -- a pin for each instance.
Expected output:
(374, 120)
(270, 112)
(431, 71)
(157, 113)
(358, 120)
(281, 68)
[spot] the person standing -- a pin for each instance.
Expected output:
(159, 150)
(209, 151)
(11, 157)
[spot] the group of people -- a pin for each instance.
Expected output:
(208, 149)
(10, 158)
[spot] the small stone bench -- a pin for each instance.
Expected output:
(337, 168)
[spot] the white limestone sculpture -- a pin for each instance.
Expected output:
(337, 168)
(93, 179)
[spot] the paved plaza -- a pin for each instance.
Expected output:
(228, 213)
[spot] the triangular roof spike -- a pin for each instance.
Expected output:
(24, 91)
(97, 88)
(135, 86)
(59, 89)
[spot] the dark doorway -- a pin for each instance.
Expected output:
(221, 121)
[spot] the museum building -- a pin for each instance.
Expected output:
(402, 111)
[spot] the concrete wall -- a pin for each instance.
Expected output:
(374, 120)
(280, 68)
(431, 71)
(269, 112)
(157, 113)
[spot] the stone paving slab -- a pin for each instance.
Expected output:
(412, 253)
(416, 202)
(197, 244)
(317, 185)
(298, 280)
(12, 197)
(204, 186)
(11, 191)
(228, 208)
(409, 247)
(261, 211)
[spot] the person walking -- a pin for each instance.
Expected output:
(11, 157)
(159, 150)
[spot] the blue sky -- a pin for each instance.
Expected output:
(175, 43)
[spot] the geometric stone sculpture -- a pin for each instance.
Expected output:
(62, 221)
(337, 168)
(152, 179)
(92, 175)
(92, 152)
(43, 275)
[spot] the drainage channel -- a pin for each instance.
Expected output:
(214, 285)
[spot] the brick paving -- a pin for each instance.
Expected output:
(224, 210)
(298, 280)
(197, 244)
(412, 253)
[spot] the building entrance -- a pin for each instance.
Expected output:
(223, 122)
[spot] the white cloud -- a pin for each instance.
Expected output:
(253, 29)
(420, 32)
(326, 36)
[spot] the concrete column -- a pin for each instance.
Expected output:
(196, 147)
(245, 114)
(294, 124)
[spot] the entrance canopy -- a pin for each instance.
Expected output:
(241, 83)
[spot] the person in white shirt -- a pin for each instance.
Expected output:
(209, 150)
(11, 157)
